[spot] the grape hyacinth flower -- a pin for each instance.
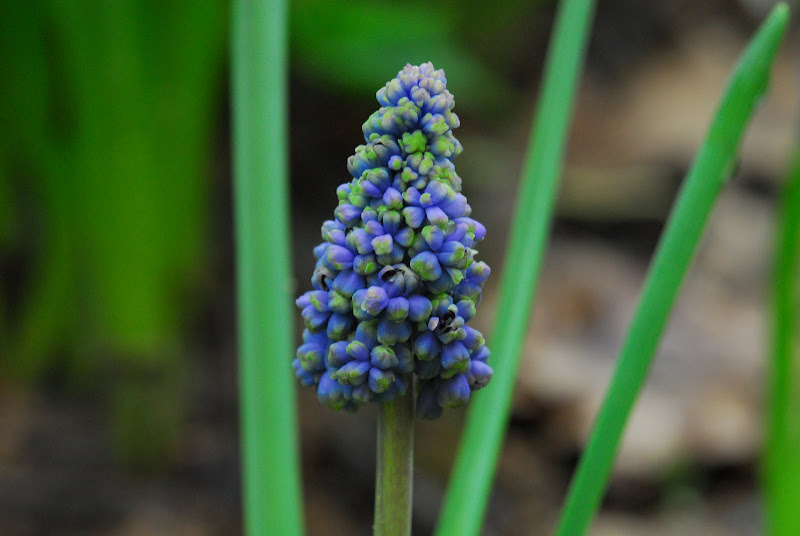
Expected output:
(395, 281)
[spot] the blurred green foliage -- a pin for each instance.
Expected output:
(108, 112)
(349, 45)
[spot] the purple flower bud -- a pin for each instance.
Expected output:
(435, 193)
(383, 357)
(397, 309)
(404, 236)
(414, 216)
(361, 241)
(365, 264)
(353, 373)
(474, 338)
(394, 257)
(367, 333)
(329, 226)
(311, 357)
(339, 326)
(315, 320)
(466, 309)
(393, 199)
(358, 351)
(375, 300)
(393, 332)
(433, 237)
(419, 308)
(337, 354)
(479, 374)
(306, 378)
(426, 266)
(319, 299)
(339, 303)
(482, 354)
(347, 283)
(427, 346)
(332, 393)
(395, 163)
(304, 301)
(457, 208)
(347, 214)
(380, 380)
(340, 258)
(450, 254)
(391, 221)
(394, 260)
(454, 356)
(453, 392)
(436, 216)
(383, 244)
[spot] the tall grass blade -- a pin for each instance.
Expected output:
(781, 461)
(272, 503)
(471, 481)
(712, 166)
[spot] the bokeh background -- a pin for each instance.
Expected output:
(118, 402)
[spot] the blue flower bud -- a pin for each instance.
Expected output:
(340, 258)
(419, 308)
(427, 346)
(306, 378)
(414, 216)
(347, 283)
(466, 309)
(383, 357)
(367, 333)
(383, 244)
(353, 373)
(393, 332)
(454, 356)
(426, 266)
(375, 300)
(339, 326)
(358, 350)
(380, 380)
(337, 354)
(365, 264)
(453, 392)
(397, 309)
(347, 214)
(479, 374)
(311, 357)
(332, 393)
(436, 216)
(473, 339)
(315, 320)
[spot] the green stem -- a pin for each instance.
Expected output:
(781, 464)
(711, 168)
(473, 472)
(271, 483)
(394, 466)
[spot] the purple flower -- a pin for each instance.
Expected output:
(395, 282)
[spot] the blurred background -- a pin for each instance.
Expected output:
(118, 402)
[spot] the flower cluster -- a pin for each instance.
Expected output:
(395, 282)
